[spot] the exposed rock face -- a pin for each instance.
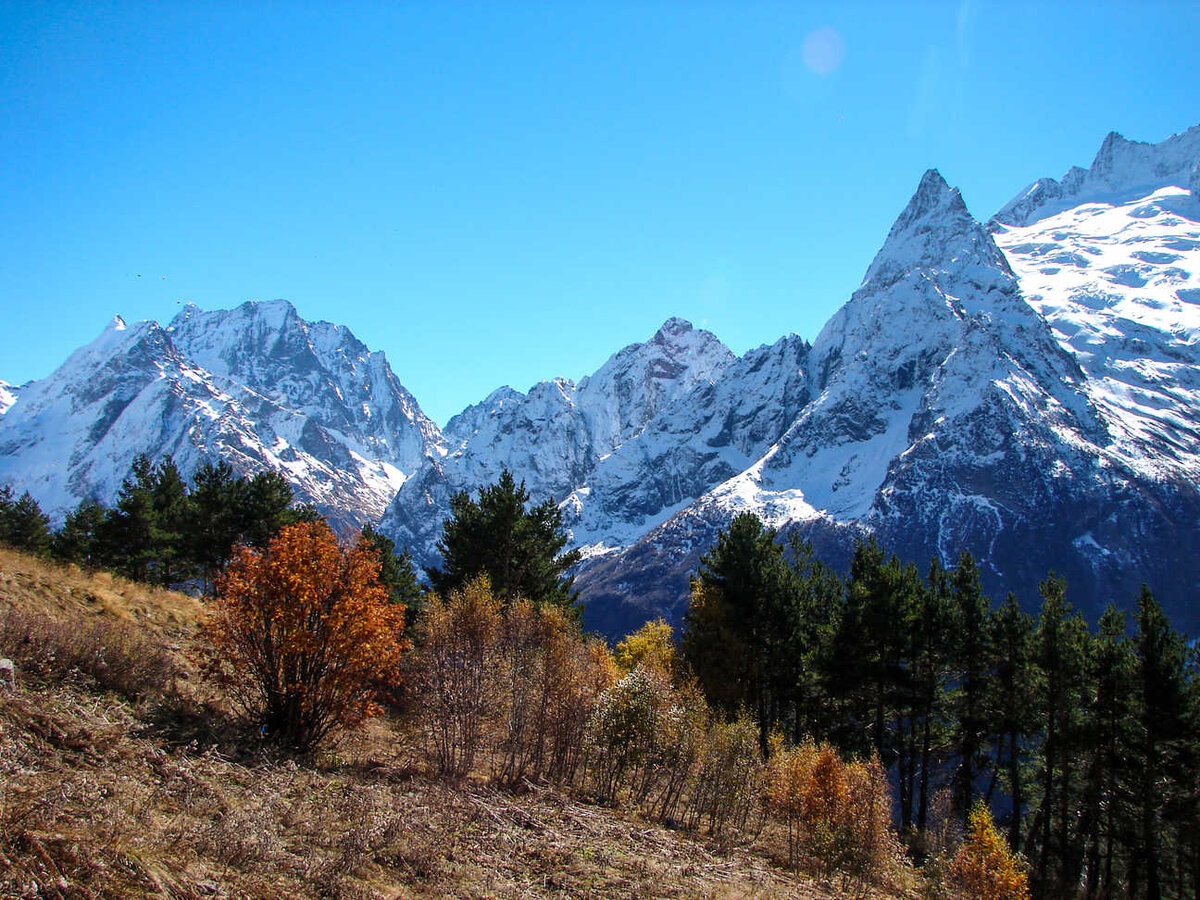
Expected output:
(257, 386)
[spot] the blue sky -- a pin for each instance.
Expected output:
(500, 193)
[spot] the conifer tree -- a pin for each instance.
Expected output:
(23, 525)
(213, 526)
(78, 541)
(518, 548)
(739, 620)
(972, 663)
(1011, 703)
(397, 574)
(816, 611)
(1109, 720)
(266, 508)
(868, 666)
(931, 637)
(1161, 738)
(1059, 641)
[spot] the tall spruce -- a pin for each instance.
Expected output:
(868, 666)
(1060, 643)
(23, 525)
(78, 541)
(1110, 719)
(932, 637)
(1012, 705)
(1162, 732)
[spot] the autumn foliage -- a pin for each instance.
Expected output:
(984, 868)
(837, 813)
(302, 635)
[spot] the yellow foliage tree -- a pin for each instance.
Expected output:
(984, 868)
(652, 646)
(302, 635)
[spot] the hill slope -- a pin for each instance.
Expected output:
(106, 796)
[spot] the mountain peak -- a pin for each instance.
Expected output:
(117, 324)
(934, 232)
(932, 197)
(674, 327)
(1122, 170)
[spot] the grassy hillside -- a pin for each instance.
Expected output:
(120, 776)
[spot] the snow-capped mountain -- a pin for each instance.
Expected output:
(8, 396)
(1123, 170)
(1029, 396)
(1028, 390)
(257, 386)
(554, 437)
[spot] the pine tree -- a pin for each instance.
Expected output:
(1059, 641)
(267, 497)
(23, 526)
(1162, 730)
(78, 541)
(868, 670)
(212, 526)
(1012, 703)
(739, 622)
(518, 548)
(1109, 719)
(817, 608)
(931, 639)
(142, 537)
(972, 662)
(397, 574)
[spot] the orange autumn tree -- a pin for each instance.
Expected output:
(302, 635)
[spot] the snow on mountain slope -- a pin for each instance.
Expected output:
(555, 435)
(136, 389)
(8, 396)
(1119, 283)
(937, 330)
(1122, 170)
(321, 372)
(948, 416)
(699, 440)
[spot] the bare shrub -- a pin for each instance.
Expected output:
(115, 656)
(727, 782)
(581, 670)
(620, 732)
(680, 727)
(456, 675)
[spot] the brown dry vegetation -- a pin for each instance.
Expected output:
(137, 786)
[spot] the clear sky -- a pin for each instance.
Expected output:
(498, 193)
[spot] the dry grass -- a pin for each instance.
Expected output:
(102, 795)
(38, 586)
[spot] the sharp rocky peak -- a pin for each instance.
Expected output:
(934, 233)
